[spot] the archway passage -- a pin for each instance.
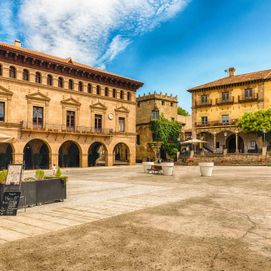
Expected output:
(6, 155)
(231, 144)
(36, 155)
(121, 154)
(69, 155)
(97, 155)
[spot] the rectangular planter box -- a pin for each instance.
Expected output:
(38, 192)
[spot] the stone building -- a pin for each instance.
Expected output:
(150, 107)
(58, 111)
(217, 106)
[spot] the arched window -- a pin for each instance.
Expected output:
(1, 70)
(12, 72)
(106, 91)
(60, 82)
(38, 78)
(89, 88)
(114, 93)
(49, 80)
(121, 94)
(129, 96)
(71, 84)
(80, 86)
(25, 75)
(98, 90)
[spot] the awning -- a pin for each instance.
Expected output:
(193, 141)
(6, 138)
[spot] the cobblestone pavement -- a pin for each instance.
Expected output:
(99, 193)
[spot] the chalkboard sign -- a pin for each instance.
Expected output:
(9, 204)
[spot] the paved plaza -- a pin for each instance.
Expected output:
(232, 205)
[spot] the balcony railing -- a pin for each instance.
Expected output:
(57, 128)
(216, 123)
(204, 104)
(222, 101)
(243, 99)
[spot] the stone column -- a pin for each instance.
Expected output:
(236, 142)
(84, 162)
(18, 158)
(109, 160)
(214, 148)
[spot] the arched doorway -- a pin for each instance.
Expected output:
(69, 155)
(97, 154)
(121, 154)
(231, 144)
(36, 155)
(6, 155)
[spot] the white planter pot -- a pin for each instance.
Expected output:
(206, 169)
(147, 165)
(167, 168)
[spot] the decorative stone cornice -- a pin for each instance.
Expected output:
(38, 96)
(99, 106)
(71, 101)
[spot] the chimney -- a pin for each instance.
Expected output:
(17, 43)
(231, 71)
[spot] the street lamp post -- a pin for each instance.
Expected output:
(225, 148)
(264, 132)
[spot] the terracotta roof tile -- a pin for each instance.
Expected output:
(235, 79)
(61, 60)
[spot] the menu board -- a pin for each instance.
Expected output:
(10, 203)
(14, 174)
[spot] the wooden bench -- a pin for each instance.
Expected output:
(155, 169)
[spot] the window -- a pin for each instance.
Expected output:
(129, 96)
(204, 120)
(155, 114)
(217, 145)
(171, 104)
(163, 102)
(37, 117)
(70, 120)
(89, 88)
(60, 82)
(204, 99)
(98, 123)
(98, 90)
(49, 80)
(114, 93)
(122, 124)
(138, 104)
(80, 86)
(25, 75)
(1, 70)
(38, 78)
(225, 119)
(248, 93)
(106, 91)
(225, 96)
(155, 137)
(138, 139)
(70, 84)
(12, 72)
(2, 111)
(121, 94)
(172, 119)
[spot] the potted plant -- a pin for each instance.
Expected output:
(206, 169)
(147, 165)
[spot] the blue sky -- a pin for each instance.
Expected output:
(170, 45)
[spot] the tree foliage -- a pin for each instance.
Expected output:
(256, 121)
(168, 133)
(181, 111)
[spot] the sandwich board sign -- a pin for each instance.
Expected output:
(10, 203)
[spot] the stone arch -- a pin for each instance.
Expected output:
(6, 155)
(231, 144)
(121, 154)
(69, 154)
(97, 154)
(37, 154)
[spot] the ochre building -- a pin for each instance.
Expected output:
(58, 111)
(150, 107)
(217, 106)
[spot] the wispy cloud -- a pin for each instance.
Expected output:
(90, 31)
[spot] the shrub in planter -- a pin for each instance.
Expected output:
(3, 176)
(39, 174)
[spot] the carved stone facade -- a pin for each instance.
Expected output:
(58, 111)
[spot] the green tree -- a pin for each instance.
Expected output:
(168, 133)
(181, 111)
(256, 122)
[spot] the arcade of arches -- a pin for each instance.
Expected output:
(39, 154)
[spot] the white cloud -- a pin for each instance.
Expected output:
(91, 31)
(7, 28)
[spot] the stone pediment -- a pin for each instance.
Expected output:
(5, 92)
(98, 105)
(70, 101)
(122, 109)
(38, 96)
